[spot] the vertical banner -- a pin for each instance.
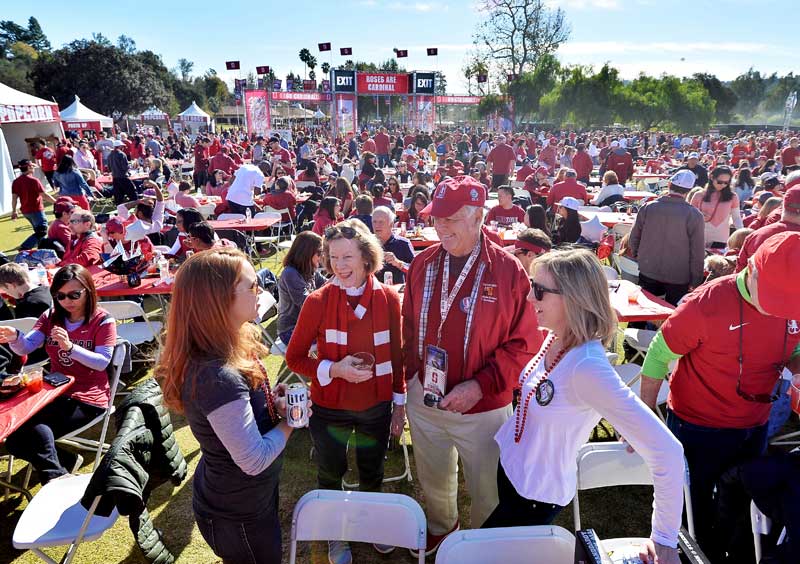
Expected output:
(346, 118)
(421, 112)
(257, 112)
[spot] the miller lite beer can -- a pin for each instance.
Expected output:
(297, 406)
(388, 278)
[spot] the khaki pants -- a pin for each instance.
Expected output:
(440, 439)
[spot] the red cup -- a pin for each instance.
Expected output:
(33, 381)
(794, 393)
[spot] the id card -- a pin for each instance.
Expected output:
(433, 388)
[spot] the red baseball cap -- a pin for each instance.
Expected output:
(777, 261)
(63, 204)
(115, 225)
(454, 193)
(791, 199)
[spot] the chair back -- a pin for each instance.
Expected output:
(227, 216)
(270, 213)
(23, 324)
(628, 268)
(509, 545)
(611, 273)
(299, 184)
(207, 210)
(123, 309)
(358, 517)
(610, 464)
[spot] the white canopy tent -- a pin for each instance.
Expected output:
(77, 117)
(153, 114)
(23, 118)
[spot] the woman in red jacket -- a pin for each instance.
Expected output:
(86, 245)
(358, 373)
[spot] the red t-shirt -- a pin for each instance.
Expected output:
(502, 158)
(504, 217)
(566, 188)
(382, 144)
(524, 172)
(705, 329)
(789, 156)
(47, 158)
(90, 386)
(281, 201)
(200, 157)
(29, 191)
(59, 231)
(369, 145)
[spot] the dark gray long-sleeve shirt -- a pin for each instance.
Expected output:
(293, 290)
(668, 241)
(118, 164)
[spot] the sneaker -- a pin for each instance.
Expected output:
(339, 552)
(433, 542)
(383, 548)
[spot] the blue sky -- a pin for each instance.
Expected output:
(681, 37)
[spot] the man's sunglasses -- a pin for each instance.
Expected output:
(61, 296)
(539, 291)
(75, 221)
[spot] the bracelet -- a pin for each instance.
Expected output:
(71, 347)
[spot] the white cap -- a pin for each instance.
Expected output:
(683, 179)
(694, 155)
(570, 203)
(118, 143)
(614, 144)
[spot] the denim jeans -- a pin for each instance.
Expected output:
(517, 511)
(248, 542)
(330, 431)
(709, 453)
(383, 160)
(39, 223)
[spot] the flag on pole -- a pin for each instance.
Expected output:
(324, 46)
(232, 65)
(483, 78)
(346, 51)
(401, 53)
(262, 70)
(433, 51)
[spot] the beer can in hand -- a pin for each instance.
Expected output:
(388, 278)
(297, 406)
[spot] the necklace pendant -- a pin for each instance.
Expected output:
(545, 392)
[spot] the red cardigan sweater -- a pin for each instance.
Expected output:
(340, 394)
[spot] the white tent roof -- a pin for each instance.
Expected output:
(194, 111)
(16, 107)
(78, 112)
(153, 113)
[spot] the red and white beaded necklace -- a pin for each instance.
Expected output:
(522, 407)
(273, 413)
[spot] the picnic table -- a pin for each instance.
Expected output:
(609, 219)
(107, 179)
(429, 237)
(243, 225)
(635, 195)
(642, 175)
(18, 409)
(112, 285)
(632, 303)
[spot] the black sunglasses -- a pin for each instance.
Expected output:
(61, 296)
(344, 231)
(758, 398)
(539, 291)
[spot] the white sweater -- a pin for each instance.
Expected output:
(543, 467)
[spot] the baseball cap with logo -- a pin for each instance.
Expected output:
(62, 205)
(694, 155)
(791, 199)
(115, 225)
(683, 179)
(454, 193)
(570, 203)
(777, 261)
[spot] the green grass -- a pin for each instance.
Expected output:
(613, 511)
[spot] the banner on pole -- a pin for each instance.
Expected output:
(262, 70)
(382, 83)
(276, 84)
(309, 85)
(232, 65)
(345, 112)
(421, 112)
(257, 114)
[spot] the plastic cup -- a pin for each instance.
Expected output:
(33, 380)
(364, 361)
(633, 297)
(794, 393)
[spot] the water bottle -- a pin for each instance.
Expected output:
(199, 191)
(248, 215)
(163, 269)
(41, 272)
(411, 225)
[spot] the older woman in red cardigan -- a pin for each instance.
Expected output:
(352, 314)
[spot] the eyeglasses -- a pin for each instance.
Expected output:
(61, 296)
(721, 182)
(254, 289)
(539, 291)
(76, 221)
(344, 231)
(758, 398)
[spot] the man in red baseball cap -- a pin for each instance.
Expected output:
(734, 336)
(468, 332)
(59, 234)
(789, 221)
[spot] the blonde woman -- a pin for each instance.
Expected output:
(211, 370)
(566, 389)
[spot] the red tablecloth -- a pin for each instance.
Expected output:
(109, 285)
(254, 224)
(647, 307)
(106, 178)
(634, 195)
(18, 409)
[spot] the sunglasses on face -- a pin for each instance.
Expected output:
(61, 296)
(539, 291)
(76, 221)
(722, 182)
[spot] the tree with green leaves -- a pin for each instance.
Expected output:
(185, 67)
(528, 88)
(775, 98)
(32, 35)
(750, 88)
(723, 95)
(305, 56)
(491, 104)
(326, 68)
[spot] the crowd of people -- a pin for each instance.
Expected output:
(495, 356)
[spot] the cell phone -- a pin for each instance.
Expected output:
(55, 379)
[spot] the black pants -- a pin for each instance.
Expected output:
(709, 453)
(124, 190)
(248, 542)
(49, 175)
(200, 178)
(517, 511)
(233, 207)
(35, 441)
(671, 292)
(499, 180)
(330, 431)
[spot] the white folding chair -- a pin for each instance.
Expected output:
(74, 438)
(227, 216)
(207, 210)
(510, 545)
(639, 340)
(380, 518)
(300, 184)
(760, 525)
(628, 268)
(603, 465)
(135, 332)
(631, 374)
(611, 273)
(406, 474)
(25, 325)
(517, 184)
(55, 517)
